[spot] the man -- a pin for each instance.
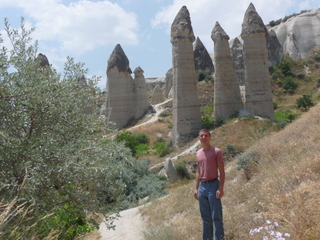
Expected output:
(209, 187)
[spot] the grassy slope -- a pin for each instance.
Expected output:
(285, 187)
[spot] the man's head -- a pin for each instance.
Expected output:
(205, 137)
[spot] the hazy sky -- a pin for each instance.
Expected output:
(89, 30)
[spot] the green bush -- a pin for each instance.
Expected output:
(290, 85)
(285, 115)
(162, 148)
(133, 141)
(304, 102)
(247, 162)
(182, 171)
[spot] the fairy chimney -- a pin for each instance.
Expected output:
(227, 97)
(120, 89)
(255, 54)
(141, 100)
(186, 107)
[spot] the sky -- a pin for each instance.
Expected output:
(88, 31)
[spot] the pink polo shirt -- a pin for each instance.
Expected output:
(207, 160)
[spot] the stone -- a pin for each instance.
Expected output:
(227, 97)
(257, 78)
(274, 47)
(157, 95)
(142, 103)
(186, 108)
(44, 62)
(238, 64)
(170, 170)
(299, 34)
(127, 98)
(168, 84)
(202, 59)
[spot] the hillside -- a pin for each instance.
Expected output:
(283, 188)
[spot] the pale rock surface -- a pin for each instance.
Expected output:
(186, 107)
(141, 100)
(255, 53)
(227, 97)
(120, 89)
(169, 171)
(168, 84)
(157, 95)
(238, 64)
(299, 34)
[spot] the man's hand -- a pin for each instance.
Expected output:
(219, 193)
(195, 194)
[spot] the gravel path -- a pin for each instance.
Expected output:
(129, 226)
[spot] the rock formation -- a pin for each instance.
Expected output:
(141, 100)
(157, 95)
(202, 59)
(299, 34)
(186, 107)
(123, 100)
(168, 84)
(238, 64)
(274, 47)
(44, 62)
(169, 171)
(227, 98)
(255, 54)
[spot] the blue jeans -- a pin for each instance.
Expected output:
(211, 211)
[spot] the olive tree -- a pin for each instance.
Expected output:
(52, 155)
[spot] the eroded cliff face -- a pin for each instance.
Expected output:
(299, 34)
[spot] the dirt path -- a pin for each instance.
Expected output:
(129, 226)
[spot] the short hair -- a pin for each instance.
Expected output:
(205, 130)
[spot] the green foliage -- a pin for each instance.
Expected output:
(134, 141)
(205, 77)
(140, 182)
(247, 163)
(53, 156)
(207, 122)
(162, 148)
(285, 115)
(290, 85)
(68, 221)
(182, 170)
(304, 102)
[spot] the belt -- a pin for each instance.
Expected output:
(209, 181)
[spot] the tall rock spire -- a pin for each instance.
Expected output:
(186, 107)
(227, 97)
(120, 89)
(257, 78)
(142, 103)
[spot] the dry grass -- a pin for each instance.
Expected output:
(285, 189)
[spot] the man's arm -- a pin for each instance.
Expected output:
(195, 192)
(222, 176)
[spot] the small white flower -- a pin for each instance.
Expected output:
(268, 222)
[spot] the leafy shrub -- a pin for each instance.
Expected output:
(285, 115)
(304, 102)
(133, 141)
(162, 148)
(290, 85)
(207, 122)
(248, 162)
(182, 170)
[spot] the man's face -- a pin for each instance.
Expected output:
(204, 137)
